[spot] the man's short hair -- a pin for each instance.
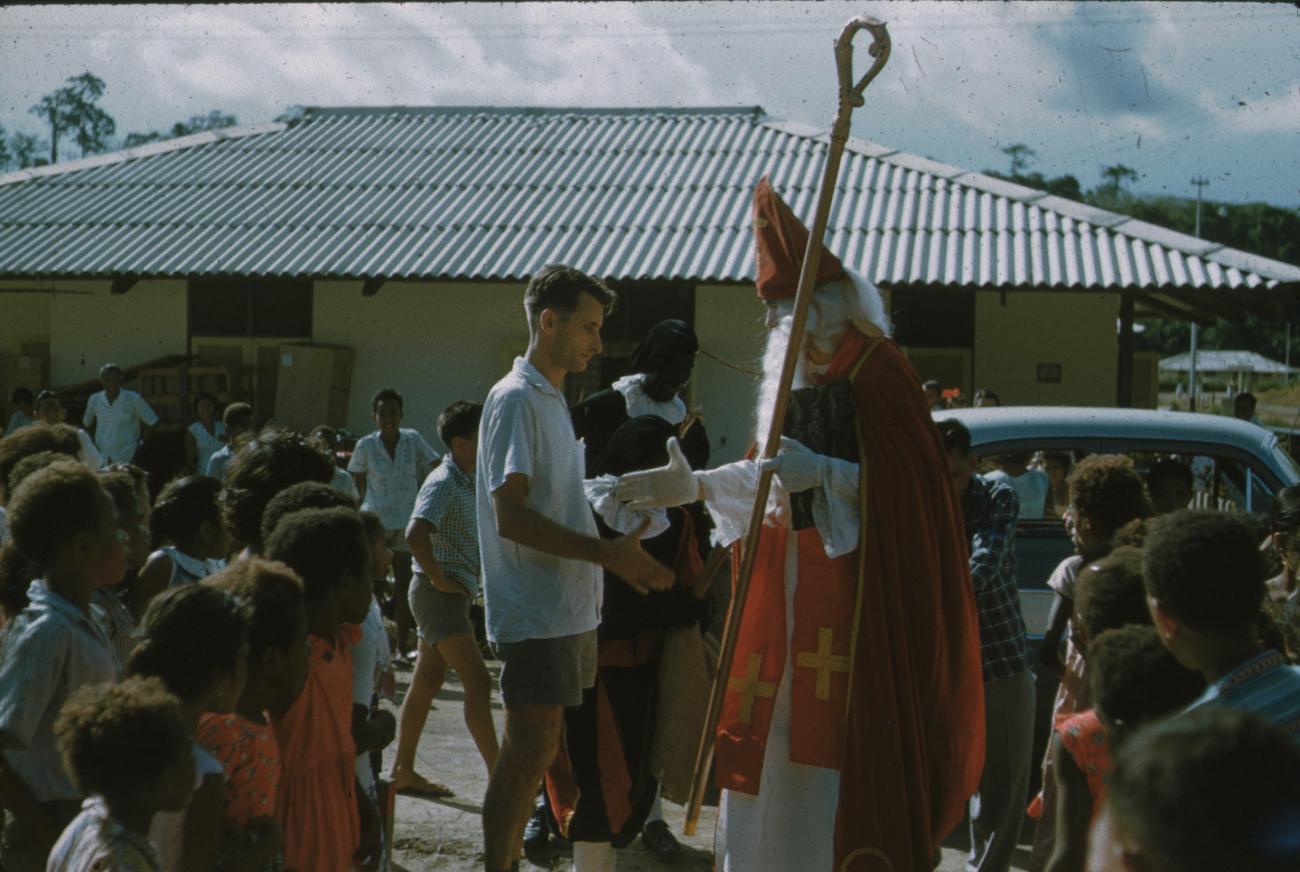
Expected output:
(1210, 790)
(1246, 397)
(955, 436)
(1204, 568)
(459, 419)
(21, 395)
(384, 394)
(559, 287)
(1106, 489)
(931, 385)
(238, 416)
(110, 367)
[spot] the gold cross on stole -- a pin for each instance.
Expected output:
(750, 687)
(823, 661)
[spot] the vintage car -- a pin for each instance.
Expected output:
(1238, 463)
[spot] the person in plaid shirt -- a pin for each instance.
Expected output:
(990, 509)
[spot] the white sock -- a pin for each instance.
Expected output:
(594, 857)
(656, 810)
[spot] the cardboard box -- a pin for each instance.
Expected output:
(313, 384)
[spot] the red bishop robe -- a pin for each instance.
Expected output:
(887, 685)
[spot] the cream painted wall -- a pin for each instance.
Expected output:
(146, 322)
(23, 316)
(729, 323)
(434, 342)
(1073, 329)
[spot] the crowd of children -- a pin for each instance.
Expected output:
(192, 681)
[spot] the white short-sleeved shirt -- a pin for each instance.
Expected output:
(343, 483)
(526, 429)
(392, 482)
(97, 840)
(117, 424)
(89, 452)
(217, 462)
(1032, 487)
(370, 657)
(167, 831)
(49, 650)
(207, 444)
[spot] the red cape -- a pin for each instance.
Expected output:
(887, 684)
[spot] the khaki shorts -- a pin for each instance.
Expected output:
(438, 615)
(547, 671)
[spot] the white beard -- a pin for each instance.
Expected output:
(778, 338)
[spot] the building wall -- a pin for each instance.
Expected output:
(86, 325)
(729, 323)
(1075, 330)
(435, 343)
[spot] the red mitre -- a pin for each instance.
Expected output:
(779, 243)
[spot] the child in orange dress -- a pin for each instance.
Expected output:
(318, 798)
(243, 740)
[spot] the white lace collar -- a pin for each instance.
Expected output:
(638, 403)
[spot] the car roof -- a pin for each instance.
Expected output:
(1018, 423)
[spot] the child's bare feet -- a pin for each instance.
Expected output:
(407, 782)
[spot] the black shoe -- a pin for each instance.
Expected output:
(535, 834)
(660, 841)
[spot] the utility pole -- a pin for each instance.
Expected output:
(1200, 182)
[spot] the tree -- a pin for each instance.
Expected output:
(27, 150)
(72, 110)
(1021, 156)
(1118, 175)
(214, 120)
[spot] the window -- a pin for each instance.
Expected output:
(250, 307)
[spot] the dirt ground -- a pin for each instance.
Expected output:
(446, 834)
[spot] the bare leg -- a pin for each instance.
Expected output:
(531, 739)
(462, 654)
(426, 681)
(402, 604)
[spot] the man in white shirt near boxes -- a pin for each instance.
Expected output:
(121, 418)
(541, 554)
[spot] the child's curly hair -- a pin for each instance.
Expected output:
(1110, 594)
(182, 505)
(320, 545)
(1107, 489)
(1134, 679)
(272, 595)
(303, 495)
(1204, 568)
(16, 575)
(117, 737)
(27, 441)
(51, 506)
(269, 463)
(188, 633)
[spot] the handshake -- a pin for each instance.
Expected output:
(796, 469)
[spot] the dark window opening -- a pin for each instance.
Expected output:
(250, 307)
(925, 318)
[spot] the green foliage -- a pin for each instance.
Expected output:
(213, 120)
(72, 110)
(26, 150)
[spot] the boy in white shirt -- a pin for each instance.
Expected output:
(388, 467)
(121, 418)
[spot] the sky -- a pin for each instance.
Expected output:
(1173, 90)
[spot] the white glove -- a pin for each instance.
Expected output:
(797, 467)
(662, 487)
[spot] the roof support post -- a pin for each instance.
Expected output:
(1124, 370)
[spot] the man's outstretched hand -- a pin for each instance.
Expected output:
(662, 487)
(626, 558)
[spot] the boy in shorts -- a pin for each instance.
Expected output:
(388, 466)
(540, 549)
(443, 538)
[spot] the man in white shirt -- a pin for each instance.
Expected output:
(121, 418)
(540, 550)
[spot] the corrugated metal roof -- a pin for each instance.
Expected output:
(493, 193)
(1226, 361)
